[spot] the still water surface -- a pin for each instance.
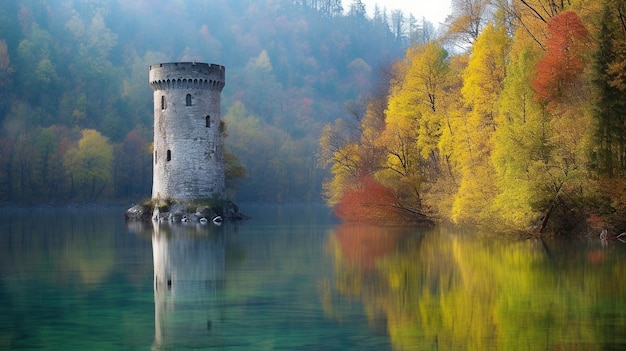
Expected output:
(293, 278)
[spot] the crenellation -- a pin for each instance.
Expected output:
(187, 84)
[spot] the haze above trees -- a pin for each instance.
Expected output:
(76, 108)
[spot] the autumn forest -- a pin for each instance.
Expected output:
(76, 110)
(510, 114)
(514, 119)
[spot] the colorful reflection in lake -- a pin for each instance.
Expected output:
(448, 290)
(295, 279)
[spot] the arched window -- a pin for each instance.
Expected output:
(169, 155)
(208, 121)
(163, 105)
(188, 100)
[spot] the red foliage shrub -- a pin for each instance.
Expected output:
(368, 202)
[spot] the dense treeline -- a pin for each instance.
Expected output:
(76, 109)
(522, 128)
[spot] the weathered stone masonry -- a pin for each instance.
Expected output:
(188, 157)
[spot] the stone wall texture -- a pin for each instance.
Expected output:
(188, 157)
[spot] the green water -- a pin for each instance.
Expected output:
(293, 278)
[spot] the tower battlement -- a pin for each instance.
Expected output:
(187, 75)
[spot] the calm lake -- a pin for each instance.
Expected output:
(294, 278)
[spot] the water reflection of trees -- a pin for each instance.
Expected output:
(67, 247)
(70, 267)
(446, 291)
(189, 269)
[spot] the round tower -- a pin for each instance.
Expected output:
(188, 157)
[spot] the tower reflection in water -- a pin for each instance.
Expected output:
(189, 266)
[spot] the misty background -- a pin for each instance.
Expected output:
(76, 108)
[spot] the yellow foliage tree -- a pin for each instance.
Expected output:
(520, 140)
(89, 165)
(413, 123)
(343, 158)
(483, 81)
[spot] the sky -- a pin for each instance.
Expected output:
(435, 11)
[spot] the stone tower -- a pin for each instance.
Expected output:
(188, 156)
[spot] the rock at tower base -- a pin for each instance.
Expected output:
(179, 212)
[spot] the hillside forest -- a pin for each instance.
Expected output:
(519, 125)
(76, 108)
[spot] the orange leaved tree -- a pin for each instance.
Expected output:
(369, 201)
(563, 62)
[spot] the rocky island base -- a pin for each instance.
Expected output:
(168, 211)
